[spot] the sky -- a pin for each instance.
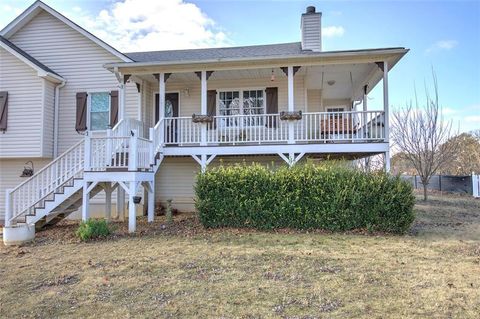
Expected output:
(443, 36)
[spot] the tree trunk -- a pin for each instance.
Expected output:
(425, 195)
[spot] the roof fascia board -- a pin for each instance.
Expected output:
(249, 63)
(35, 8)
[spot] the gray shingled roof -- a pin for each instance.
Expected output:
(254, 51)
(283, 49)
(28, 56)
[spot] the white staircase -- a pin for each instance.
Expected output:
(56, 190)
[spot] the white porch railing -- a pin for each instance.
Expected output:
(118, 152)
(125, 126)
(351, 126)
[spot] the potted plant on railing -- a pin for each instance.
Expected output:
(202, 118)
(290, 115)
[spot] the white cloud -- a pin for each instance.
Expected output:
(446, 44)
(442, 45)
(472, 119)
(333, 31)
(145, 25)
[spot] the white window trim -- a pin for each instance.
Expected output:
(328, 109)
(240, 94)
(89, 107)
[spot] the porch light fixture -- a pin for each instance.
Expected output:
(331, 82)
(272, 78)
(27, 170)
(186, 92)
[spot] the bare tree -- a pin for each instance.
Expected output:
(420, 134)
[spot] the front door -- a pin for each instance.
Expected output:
(171, 110)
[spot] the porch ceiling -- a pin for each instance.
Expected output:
(336, 81)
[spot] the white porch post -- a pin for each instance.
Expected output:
(121, 100)
(385, 101)
(120, 203)
(85, 202)
(387, 114)
(203, 106)
(132, 152)
(87, 154)
(132, 221)
(291, 107)
(151, 202)
(8, 208)
(108, 158)
(364, 117)
(387, 161)
(108, 201)
(161, 105)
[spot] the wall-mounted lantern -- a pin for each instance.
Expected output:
(27, 170)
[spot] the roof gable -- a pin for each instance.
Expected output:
(38, 7)
(23, 56)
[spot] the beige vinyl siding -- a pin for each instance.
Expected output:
(10, 171)
(48, 117)
(191, 104)
(175, 178)
(131, 100)
(24, 87)
(314, 98)
(76, 58)
(147, 105)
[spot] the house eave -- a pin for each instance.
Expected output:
(333, 57)
(36, 8)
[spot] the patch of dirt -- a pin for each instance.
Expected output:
(58, 281)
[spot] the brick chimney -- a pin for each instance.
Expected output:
(311, 26)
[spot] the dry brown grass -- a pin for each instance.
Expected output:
(184, 271)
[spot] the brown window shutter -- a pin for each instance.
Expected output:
(272, 105)
(81, 121)
(3, 111)
(212, 105)
(113, 108)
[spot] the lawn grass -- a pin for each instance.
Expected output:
(184, 271)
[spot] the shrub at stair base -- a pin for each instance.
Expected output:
(330, 196)
(92, 229)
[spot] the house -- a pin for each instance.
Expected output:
(103, 128)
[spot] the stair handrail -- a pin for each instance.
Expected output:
(77, 168)
(42, 192)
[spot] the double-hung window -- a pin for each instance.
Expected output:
(99, 110)
(242, 102)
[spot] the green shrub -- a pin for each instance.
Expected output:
(331, 196)
(92, 229)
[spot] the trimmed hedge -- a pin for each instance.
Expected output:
(331, 196)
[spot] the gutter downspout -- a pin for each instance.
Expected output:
(55, 120)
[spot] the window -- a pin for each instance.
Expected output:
(253, 102)
(241, 102)
(334, 110)
(229, 103)
(99, 111)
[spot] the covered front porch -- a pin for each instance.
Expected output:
(314, 107)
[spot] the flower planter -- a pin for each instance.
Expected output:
(291, 116)
(202, 118)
